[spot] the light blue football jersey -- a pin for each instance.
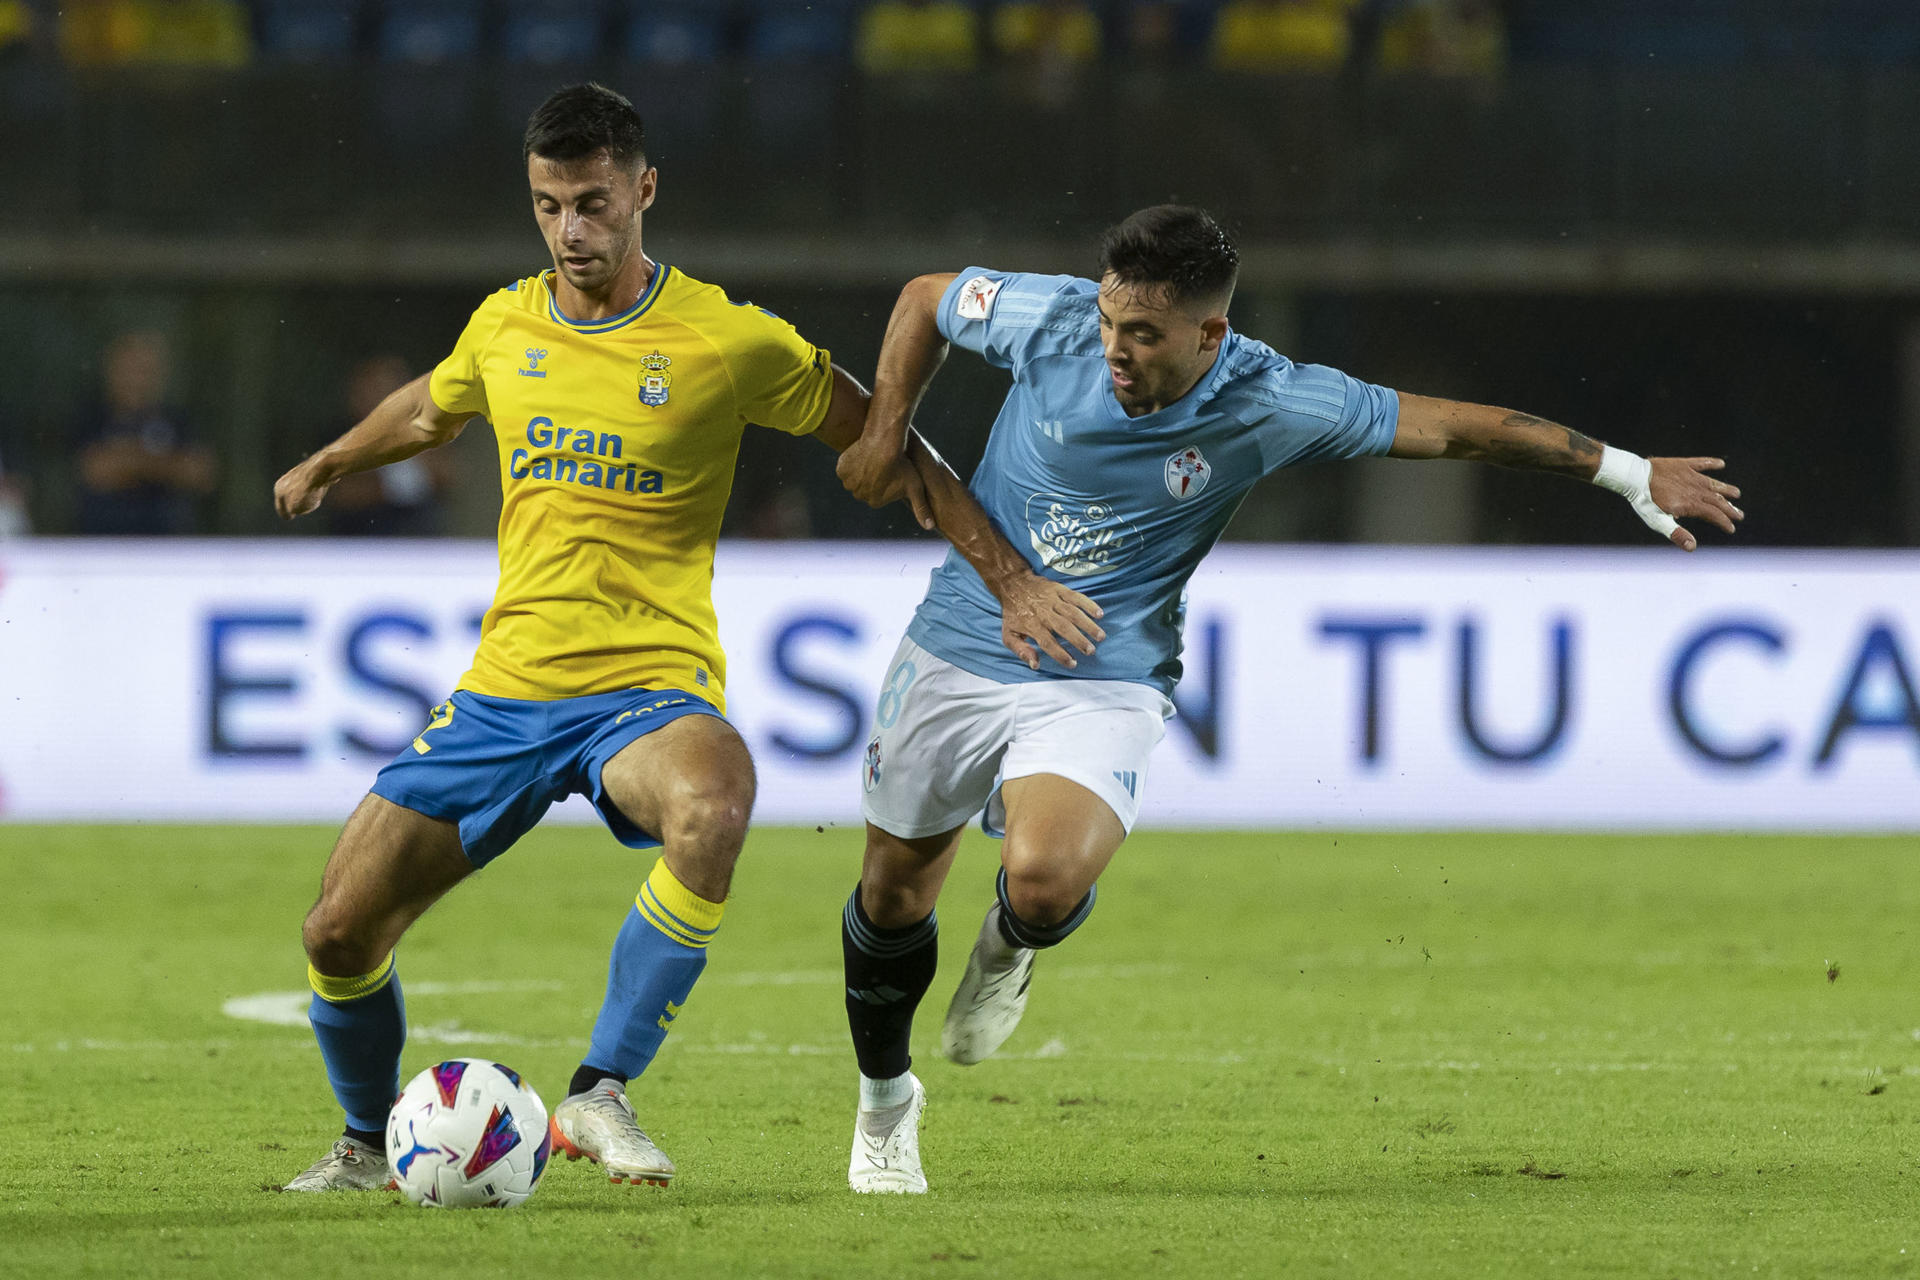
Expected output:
(1121, 509)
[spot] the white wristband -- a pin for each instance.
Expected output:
(1631, 476)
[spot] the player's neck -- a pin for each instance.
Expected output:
(1200, 375)
(618, 296)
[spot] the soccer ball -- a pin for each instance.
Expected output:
(468, 1134)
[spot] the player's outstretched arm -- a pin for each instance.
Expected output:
(874, 468)
(1037, 615)
(405, 423)
(1660, 489)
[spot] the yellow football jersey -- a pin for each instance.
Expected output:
(617, 444)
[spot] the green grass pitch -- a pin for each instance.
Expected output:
(1302, 1055)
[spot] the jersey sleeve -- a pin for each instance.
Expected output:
(457, 384)
(780, 380)
(1010, 317)
(1322, 415)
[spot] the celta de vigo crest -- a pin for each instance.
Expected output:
(1187, 473)
(655, 381)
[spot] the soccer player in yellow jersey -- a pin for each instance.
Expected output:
(618, 389)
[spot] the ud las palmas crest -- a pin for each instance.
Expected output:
(655, 381)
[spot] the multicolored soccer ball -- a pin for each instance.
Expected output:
(468, 1134)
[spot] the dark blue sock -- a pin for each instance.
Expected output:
(361, 1024)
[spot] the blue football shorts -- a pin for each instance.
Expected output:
(496, 765)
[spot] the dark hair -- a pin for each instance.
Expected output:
(1175, 246)
(584, 118)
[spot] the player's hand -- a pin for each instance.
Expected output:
(299, 491)
(1682, 489)
(1039, 611)
(878, 476)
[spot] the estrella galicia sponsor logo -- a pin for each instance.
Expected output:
(1187, 473)
(655, 381)
(870, 775)
(534, 356)
(1078, 537)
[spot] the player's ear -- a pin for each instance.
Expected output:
(646, 185)
(1213, 331)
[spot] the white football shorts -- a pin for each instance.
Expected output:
(944, 740)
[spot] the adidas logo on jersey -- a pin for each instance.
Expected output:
(1127, 778)
(1052, 428)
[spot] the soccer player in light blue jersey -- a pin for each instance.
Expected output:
(1137, 421)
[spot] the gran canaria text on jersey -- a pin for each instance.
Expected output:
(596, 468)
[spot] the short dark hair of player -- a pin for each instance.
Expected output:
(1172, 246)
(581, 119)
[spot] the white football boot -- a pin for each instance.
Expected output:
(991, 997)
(352, 1165)
(886, 1149)
(599, 1125)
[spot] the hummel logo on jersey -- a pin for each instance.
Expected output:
(1052, 428)
(1127, 778)
(534, 356)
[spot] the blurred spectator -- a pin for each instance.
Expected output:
(1050, 33)
(204, 33)
(782, 514)
(1046, 43)
(401, 499)
(13, 506)
(1311, 36)
(140, 470)
(16, 28)
(1463, 38)
(1150, 30)
(917, 35)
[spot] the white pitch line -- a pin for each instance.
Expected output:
(834, 977)
(289, 1008)
(1054, 1049)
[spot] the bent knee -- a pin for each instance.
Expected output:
(712, 813)
(340, 946)
(1043, 895)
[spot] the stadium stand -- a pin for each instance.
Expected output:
(672, 34)
(1055, 32)
(1281, 36)
(800, 32)
(307, 31)
(1457, 38)
(541, 33)
(18, 28)
(205, 33)
(917, 36)
(428, 32)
